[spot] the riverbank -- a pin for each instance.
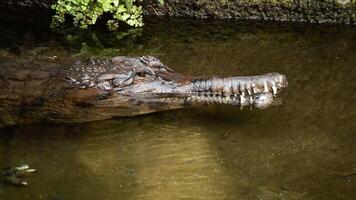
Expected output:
(305, 11)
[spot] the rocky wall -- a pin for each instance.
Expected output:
(311, 11)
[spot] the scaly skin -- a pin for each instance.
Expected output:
(122, 86)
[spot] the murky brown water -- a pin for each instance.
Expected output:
(302, 149)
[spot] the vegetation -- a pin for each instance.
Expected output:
(97, 43)
(87, 12)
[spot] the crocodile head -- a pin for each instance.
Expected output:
(137, 85)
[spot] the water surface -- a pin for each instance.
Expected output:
(302, 149)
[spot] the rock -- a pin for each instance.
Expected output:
(312, 11)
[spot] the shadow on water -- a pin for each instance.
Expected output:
(302, 149)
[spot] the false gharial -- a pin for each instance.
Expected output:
(95, 89)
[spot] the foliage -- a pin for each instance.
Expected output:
(96, 43)
(87, 12)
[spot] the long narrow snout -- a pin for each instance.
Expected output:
(258, 91)
(241, 85)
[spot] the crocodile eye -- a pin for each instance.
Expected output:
(141, 74)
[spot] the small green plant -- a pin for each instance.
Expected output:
(86, 12)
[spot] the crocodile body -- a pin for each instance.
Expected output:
(95, 89)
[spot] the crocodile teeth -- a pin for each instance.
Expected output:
(251, 100)
(254, 89)
(242, 99)
(265, 86)
(220, 99)
(224, 100)
(242, 89)
(215, 99)
(249, 91)
(274, 89)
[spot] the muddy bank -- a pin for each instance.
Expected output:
(310, 11)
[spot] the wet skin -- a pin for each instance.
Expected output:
(94, 89)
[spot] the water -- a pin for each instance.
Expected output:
(302, 149)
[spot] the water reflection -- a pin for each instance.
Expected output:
(303, 149)
(168, 165)
(143, 160)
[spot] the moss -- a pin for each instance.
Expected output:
(312, 11)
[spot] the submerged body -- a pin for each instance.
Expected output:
(123, 86)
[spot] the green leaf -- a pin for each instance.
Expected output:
(125, 16)
(86, 12)
(116, 3)
(121, 9)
